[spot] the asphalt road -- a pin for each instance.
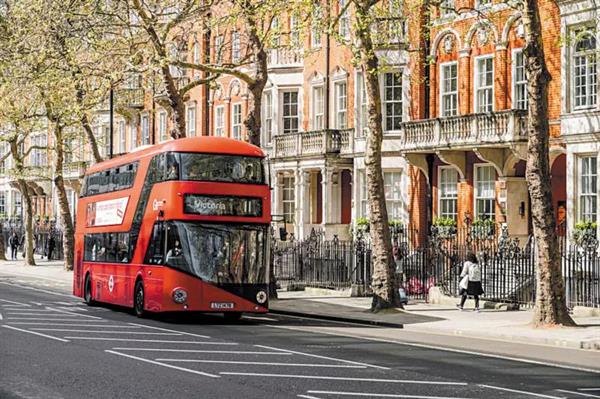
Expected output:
(53, 346)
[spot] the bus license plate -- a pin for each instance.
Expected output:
(221, 305)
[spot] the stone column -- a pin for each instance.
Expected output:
(298, 214)
(326, 191)
(464, 81)
(303, 202)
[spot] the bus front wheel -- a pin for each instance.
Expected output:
(138, 299)
(232, 316)
(87, 291)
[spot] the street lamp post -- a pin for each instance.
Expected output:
(110, 121)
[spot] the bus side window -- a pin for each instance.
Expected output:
(155, 253)
(174, 249)
(111, 246)
(172, 162)
(123, 247)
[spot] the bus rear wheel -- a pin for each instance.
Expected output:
(138, 299)
(87, 291)
(232, 316)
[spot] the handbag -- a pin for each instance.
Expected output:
(464, 282)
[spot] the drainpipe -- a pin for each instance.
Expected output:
(206, 60)
(429, 159)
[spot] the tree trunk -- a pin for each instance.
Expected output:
(550, 304)
(28, 246)
(85, 123)
(175, 102)
(65, 213)
(383, 281)
(254, 118)
(2, 243)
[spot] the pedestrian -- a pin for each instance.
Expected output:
(50, 247)
(14, 245)
(470, 283)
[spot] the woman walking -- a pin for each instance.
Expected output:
(470, 283)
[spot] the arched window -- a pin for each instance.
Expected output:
(585, 71)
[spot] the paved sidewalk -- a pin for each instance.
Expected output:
(448, 320)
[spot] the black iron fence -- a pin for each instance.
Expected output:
(507, 265)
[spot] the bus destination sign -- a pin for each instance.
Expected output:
(211, 205)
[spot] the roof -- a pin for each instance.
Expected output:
(202, 144)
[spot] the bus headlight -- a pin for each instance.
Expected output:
(261, 297)
(179, 295)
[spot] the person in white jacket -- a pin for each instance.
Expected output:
(470, 283)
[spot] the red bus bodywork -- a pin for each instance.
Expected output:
(114, 282)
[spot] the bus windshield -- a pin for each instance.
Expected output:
(219, 253)
(221, 168)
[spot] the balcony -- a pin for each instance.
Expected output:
(310, 144)
(285, 58)
(130, 97)
(464, 131)
(74, 170)
(389, 32)
(180, 83)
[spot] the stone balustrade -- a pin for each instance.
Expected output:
(74, 170)
(285, 58)
(311, 143)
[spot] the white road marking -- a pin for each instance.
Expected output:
(322, 357)
(162, 364)
(73, 313)
(588, 389)
(308, 397)
(14, 303)
(135, 340)
(35, 314)
(342, 366)
(322, 377)
(445, 349)
(539, 395)
(36, 333)
(0, 316)
(202, 351)
(68, 325)
(587, 395)
(103, 331)
(383, 395)
(168, 330)
(36, 289)
(36, 303)
(260, 318)
(53, 319)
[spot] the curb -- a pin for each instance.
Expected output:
(350, 320)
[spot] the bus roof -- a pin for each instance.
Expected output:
(202, 144)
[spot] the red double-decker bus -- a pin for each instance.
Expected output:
(179, 226)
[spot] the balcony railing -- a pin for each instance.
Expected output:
(74, 169)
(467, 130)
(130, 98)
(285, 58)
(318, 142)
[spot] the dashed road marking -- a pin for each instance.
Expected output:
(141, 359)
(68, 325)
(203, 351)
(539, 395)
(14, 303)
(322, 357)
(323, 377)
(382, 395)
(35, 333)
(103, 331)
(131, 340)
(586, 395)
(54, 319)
(168, 330)
(73, 313)
(341, 366)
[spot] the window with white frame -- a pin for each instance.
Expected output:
(294, 30)
(362, 101)
(448, 193)
(588, 189)
(318, 108)
(585, 71)
(196, 53)
(236, 121)
(393, 194)
(485, 192)
(288, 199)
(218, 49)
(290, 112)
(315, 35)
(392, 101)
(122, 137)
(3, 203)
(344, 19)
(18, 204)
(519, 81)
(220, 120)
(3, 163)
(446, 8)
(484, 84)
(449, 89)
(190, 121)
(364, 197)
(236, 49)
(162, 125)
(105, 132)
(341, 105)
(145, 130)
(133, 138)
(268, 125)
